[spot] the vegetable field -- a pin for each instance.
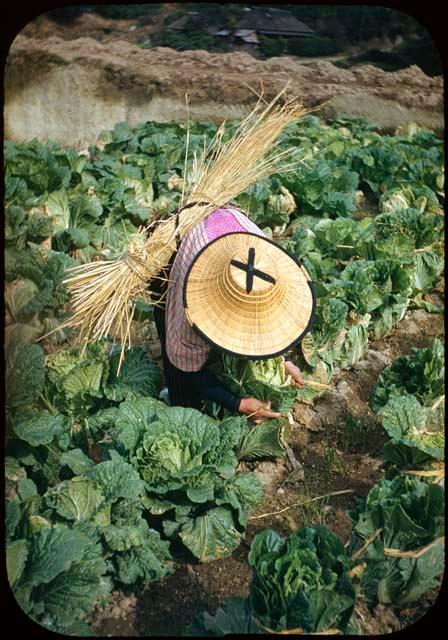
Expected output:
(127, 516)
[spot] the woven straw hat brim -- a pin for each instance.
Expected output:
(261, 323)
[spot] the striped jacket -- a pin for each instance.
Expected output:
(186, 350)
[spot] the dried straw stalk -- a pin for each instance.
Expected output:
(367, 543)
(437, 473)
(415, 553)
(320, 385)
(301, 504)
(103, 293)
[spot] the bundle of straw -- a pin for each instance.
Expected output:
(103, 293)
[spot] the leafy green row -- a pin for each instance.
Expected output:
(409, 399)
(90, 202)
(311, 583)
(396, 552)
(97, 465)
(367, 274)
(75, 411)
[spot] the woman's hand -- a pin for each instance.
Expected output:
(256, 410)
(295, 374)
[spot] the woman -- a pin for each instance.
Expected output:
(225, 291)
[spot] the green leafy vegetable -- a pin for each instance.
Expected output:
(212, 535)
(139, 376)
(40, 427)
(24, 374)
(416, 432)
(261, 441)
(65, 546)
(264, 379)
(188, 464)
(300, 582)
(180, 467)
(420, 374)
(234, 617)
(406, 514)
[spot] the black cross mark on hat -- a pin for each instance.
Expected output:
(251, 271)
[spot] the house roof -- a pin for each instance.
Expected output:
(273, 21)
(242, 33)
(265, 20)
(179, 25)
(247, 36)
(213, 31)
(252, 38)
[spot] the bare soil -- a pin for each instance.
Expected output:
(95, 26)
(334, 459)
(69, 83)
(222, 76)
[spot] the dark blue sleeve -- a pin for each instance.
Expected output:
(211, 388)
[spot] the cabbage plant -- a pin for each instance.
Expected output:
(300, 584)
(417, 433)
(403, 519)
(266, 380)
(410, 403)
(188, 463)
(421, 373)
(67, 547)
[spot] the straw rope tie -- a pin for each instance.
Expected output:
(136, 263)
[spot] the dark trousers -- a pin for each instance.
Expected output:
(182, 387)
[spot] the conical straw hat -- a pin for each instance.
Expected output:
(246, 295)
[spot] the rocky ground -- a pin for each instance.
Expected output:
(225, 76)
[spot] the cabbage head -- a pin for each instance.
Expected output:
(421, 374)
(188, 463)
(406, 514)
(300, 582)
(266, 380)
(417, 432)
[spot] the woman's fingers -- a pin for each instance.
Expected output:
(267, 413)
(295, 374)
(264, 414)
(256, 410)
(297, 377)
(298, 380)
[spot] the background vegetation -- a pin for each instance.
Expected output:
(401, 39)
